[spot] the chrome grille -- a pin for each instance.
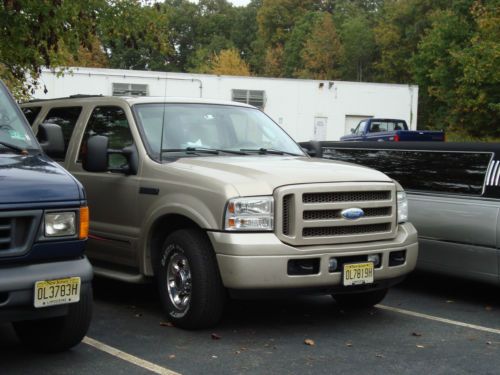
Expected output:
(348, 196)
(311, 214)
(346, 230)
(337, 214)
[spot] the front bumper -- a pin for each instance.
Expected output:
(17, 287)
(260, 260)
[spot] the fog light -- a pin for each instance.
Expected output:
(332, 264)
(374, 258)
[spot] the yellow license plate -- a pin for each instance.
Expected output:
(57, 292)
(358, 273)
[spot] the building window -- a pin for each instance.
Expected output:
(252, 97)
(130, 89)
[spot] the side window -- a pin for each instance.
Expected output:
(111, 122)
(30, 113)
(66, 118)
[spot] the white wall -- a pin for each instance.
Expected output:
(292, 103)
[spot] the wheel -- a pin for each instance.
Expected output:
(61, 333)
(361, 300)
(189, 282)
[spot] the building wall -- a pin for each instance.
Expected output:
(294, 104)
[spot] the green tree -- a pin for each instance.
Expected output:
(359, 46)
(42, 33)
(135, 35)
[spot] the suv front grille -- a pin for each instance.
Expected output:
(312, 214)
(17, 231)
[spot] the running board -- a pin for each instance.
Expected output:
(120, 275)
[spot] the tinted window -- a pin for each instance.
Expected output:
(112, 123)
(66, 118)
(30, 113)
(444, 172)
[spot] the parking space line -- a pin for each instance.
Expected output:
(128, 357)
(438, 319)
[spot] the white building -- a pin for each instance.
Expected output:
(306, 109)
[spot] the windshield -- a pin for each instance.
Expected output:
(14, 133)
(196, 128)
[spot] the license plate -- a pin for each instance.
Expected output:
(57, 292)
(358, 273)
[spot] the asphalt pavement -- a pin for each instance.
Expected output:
(429, 324)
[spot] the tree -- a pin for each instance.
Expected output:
(359, 46)
(135, 35)
(323, 52)
(229, 62)
(42, 33)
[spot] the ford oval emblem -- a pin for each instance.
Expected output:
(352, 213)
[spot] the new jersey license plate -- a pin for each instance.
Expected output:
(57, 292)
(358, 273)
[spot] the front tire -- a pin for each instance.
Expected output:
(361, 300)
(61, 333)
(189, 282)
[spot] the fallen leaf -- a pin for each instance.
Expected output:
(166, 324)
(309, 342)
(171, 356)
(420, 346)
(416, 334)
(215, 336)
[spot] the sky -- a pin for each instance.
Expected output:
(240, 2)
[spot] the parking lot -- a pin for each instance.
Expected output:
(428, 324)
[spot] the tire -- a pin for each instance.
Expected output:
(189, 282)
(61, 333)
(360, 300)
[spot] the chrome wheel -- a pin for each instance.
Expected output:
(179, 283)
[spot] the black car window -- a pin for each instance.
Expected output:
(66, 118)
(30, 113)
(111, 122)
(431, 171)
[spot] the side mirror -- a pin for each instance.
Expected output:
(95, 156)
(353, 130)
(51, 138)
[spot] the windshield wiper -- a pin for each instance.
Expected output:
(272, 151)
(14, 147)
(192, 150)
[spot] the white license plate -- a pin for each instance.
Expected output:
(57, 292)
(358, 273)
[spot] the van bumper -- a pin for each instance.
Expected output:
(261, 260)
(17, 285)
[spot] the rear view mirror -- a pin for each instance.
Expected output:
(95, 156)
(51, 138)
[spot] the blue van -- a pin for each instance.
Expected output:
(45, 279)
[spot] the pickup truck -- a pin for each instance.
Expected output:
(378, 129)
(45, 279)
(212, 198)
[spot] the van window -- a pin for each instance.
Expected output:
(66, 118)
(111, 122)
(30, 113)
(431, 171)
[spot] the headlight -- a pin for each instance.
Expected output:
(402, 207)
(58, 224)
(250, 214)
